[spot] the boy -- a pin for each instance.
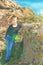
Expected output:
(12, 30)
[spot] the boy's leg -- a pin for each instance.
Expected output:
(7, 48)
(9, 44)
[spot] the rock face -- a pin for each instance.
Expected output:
(32, 44)
(32, 35)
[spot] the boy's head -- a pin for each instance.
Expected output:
(13, 20)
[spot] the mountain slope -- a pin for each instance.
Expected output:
(30, 51)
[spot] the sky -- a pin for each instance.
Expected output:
(35, 5)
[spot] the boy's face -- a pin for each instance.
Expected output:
(14, 21)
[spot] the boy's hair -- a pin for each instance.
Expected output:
(14, 16)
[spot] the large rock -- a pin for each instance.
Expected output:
(32, 45)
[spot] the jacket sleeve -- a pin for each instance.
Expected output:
(7, 32)
(20, 25)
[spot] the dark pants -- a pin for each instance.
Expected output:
(9, 45)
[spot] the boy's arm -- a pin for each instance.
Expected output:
(30, 24)
(25, 25)
(7, 31)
